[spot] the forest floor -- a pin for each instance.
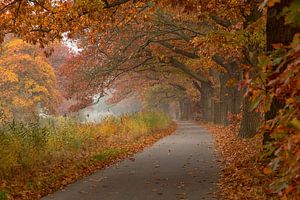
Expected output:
(179, 166)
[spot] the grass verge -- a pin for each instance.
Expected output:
(36, 160)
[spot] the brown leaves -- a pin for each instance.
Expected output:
(267, 171)
(240, 171)
(271, 3)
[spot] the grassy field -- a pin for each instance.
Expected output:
(38, 158)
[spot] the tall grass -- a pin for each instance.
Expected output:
(35, 148)
(136, 124)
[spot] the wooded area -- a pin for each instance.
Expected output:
(231, 62)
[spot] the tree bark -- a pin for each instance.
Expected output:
(186, 112)
(215, 100)
(206, 96)
(230, 96)
(251, 120)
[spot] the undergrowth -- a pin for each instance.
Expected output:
(35, 156)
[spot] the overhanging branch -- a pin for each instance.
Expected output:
(178, 50)
(220, 21)
(177, 64)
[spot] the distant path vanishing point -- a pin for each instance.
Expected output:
(180, 166)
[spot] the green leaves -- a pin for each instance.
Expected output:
(295, 123)
(3, 195)
(256, 102)
(108, 154)
(292, 14)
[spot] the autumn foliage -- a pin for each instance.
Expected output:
(28, 82)
(234, 61)
(239, 159)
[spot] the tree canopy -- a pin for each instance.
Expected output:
(237, 57)
(28, 81)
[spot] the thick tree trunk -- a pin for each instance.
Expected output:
(215, 101)
(206, 101)
(250, 119)
(250, 122)
(217, 112)
(230, 96)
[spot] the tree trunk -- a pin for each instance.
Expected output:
(230, 96)
(217, 112)
(206, 96)
(250, 120)
(186, 112)
(216, 92)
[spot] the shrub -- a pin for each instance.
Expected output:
(52, 140)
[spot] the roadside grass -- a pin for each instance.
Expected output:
(39, 158)
(108, 153)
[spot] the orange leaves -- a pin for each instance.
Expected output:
(7, 76)
(267, 171)
(278, 84)
(28, 79)
(271, 3)
(45, 22)
(240, 172)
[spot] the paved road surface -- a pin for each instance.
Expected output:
(180, 166)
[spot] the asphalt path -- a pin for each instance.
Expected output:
(179, 166)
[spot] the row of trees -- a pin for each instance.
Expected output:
(218, 57)
(199, 61)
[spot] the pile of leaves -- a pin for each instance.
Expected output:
(241, 171)
(62, 158)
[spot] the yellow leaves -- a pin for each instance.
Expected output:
(295, 123)
(21, 102)
(29, 79)
(290, 101)
(70, 149)
(296, 41)
(5, 114)
(7, 76)
(16, 45)
(32, 87)
(146, 17)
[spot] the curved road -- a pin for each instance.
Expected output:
(180, 166)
